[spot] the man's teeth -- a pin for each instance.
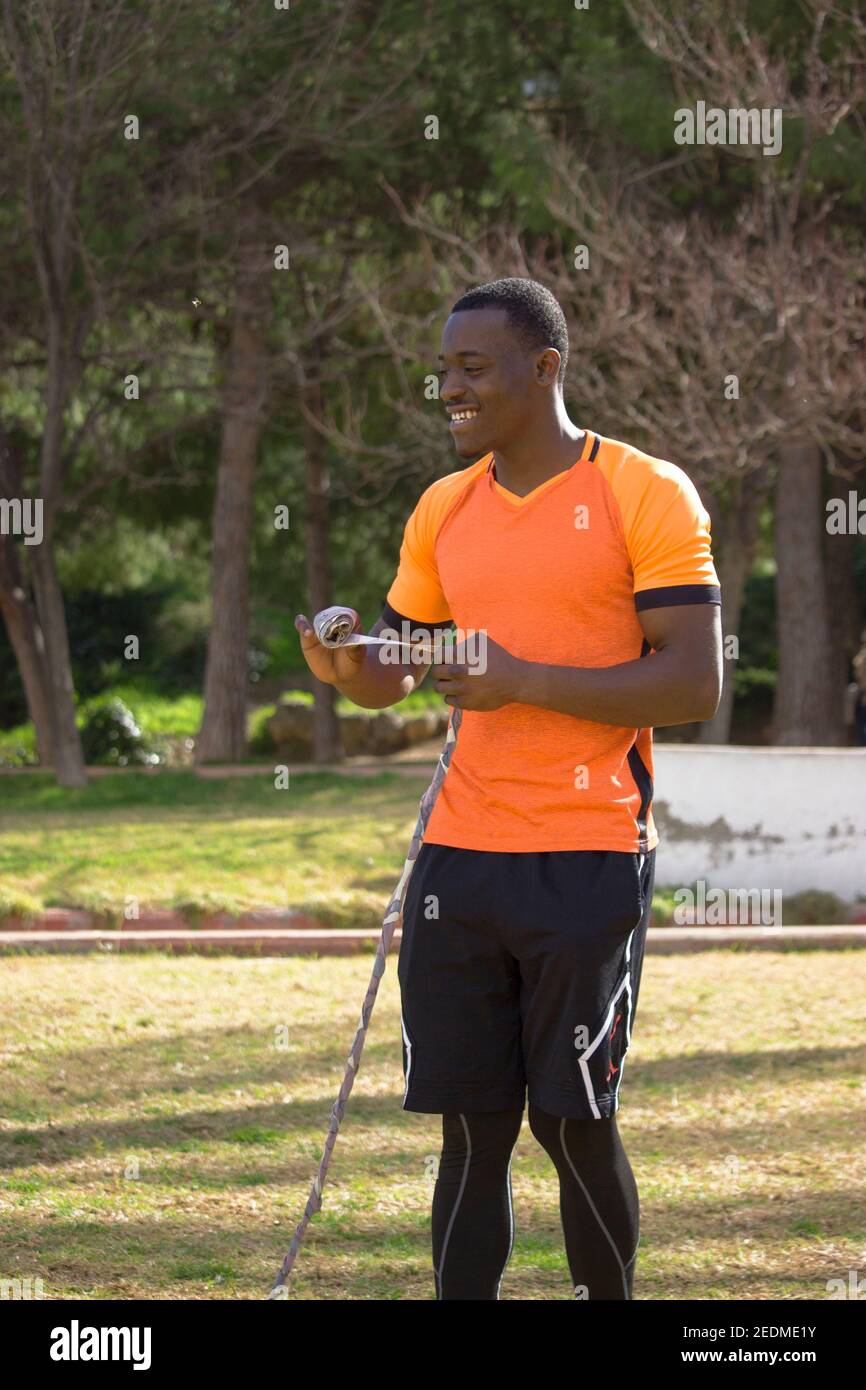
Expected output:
(457, 415)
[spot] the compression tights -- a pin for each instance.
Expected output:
(473, 1221)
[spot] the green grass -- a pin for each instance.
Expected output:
(331, 845)
(155, 1142)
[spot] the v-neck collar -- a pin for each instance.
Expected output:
(510, 499)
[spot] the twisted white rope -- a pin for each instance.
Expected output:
(334, 621)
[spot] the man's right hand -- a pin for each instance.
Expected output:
(333, 665)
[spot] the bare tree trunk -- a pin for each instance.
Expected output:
(842, 608)
(809, 704)
(19, 615)
(732, 565)
(223, 736)
(68, 757)
(327, 746)
(736, 530)
(842, 599)
(27, 642)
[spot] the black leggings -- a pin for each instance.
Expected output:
(473, 1218)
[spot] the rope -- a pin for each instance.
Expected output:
(392, 916)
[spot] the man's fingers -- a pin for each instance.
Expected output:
(449, 671)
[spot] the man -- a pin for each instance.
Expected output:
(587, 566)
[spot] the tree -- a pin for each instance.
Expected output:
(338, 83)
(82, 218)
(20, 616)
(800, 272)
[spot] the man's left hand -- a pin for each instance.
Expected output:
(478, 686)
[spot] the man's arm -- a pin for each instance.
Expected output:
(378, 684)
(368, 680)
(678, 682)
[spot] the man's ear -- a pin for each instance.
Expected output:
(547, 367)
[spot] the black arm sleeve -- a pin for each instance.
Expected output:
(394, 619)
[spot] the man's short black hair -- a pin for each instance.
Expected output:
(532, 311)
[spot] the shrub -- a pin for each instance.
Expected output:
(260, 743)
(111, 736)
(814, 908)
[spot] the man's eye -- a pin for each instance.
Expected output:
(473, 371)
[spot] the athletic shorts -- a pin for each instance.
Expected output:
(521, 970)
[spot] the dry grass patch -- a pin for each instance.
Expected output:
(156, 1142)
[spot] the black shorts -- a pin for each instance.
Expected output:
(521, 969)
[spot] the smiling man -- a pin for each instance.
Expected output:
(587, 565)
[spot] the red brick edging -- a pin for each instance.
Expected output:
(278, 932)
(75, 919)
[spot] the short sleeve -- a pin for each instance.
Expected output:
(667, 530)
(416, 590)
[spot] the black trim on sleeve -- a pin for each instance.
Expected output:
(677, 594)
(594, 450)
(394, 619)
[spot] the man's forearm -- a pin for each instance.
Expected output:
(379, 684)
(655, 691)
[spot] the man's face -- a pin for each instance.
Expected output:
(488, 383)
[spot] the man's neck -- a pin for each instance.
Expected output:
(532, 461)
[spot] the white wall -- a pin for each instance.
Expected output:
(787, 818)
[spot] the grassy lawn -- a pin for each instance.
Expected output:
(156, 1143)
(330, 844)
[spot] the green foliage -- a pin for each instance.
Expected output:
(663, 906)
(815, 908)
(171, 628)
(758, 645)
(260, 744)
(18, 747)
(112, 737)
(158, 714)
(169, 622)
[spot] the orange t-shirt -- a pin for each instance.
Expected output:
(556, 577)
